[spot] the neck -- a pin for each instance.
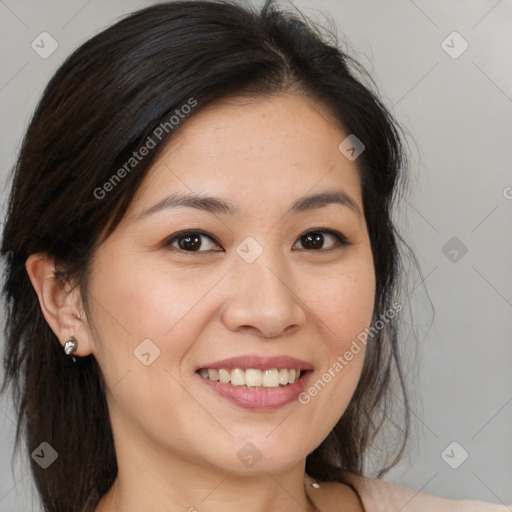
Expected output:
(154, 481)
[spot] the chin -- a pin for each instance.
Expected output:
(251, 454)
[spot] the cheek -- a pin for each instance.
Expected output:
(135, 302)
(345, 304)
(344, 308)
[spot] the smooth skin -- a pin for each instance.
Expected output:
(176, 440)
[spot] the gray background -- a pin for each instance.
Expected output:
(457, 114)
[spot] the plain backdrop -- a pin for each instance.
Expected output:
(444, 70)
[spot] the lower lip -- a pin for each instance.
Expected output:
(262, 399)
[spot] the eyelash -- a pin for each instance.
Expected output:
(339, 237)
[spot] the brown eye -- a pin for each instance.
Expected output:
(189, 241)
(314, 240)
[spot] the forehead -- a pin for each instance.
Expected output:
(256, 152)
(289, 126)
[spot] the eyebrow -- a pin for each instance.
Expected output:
(216, 205)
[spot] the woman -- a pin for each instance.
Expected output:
(202, 272)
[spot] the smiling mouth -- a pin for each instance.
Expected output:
(253, 378)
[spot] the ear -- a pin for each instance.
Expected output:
(62, 307)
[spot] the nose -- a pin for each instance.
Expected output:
(263, 299)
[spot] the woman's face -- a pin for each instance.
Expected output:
(252, 284)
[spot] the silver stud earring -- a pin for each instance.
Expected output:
(70, 347)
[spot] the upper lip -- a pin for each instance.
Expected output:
(259, 362)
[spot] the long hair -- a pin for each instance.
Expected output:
(112, 93)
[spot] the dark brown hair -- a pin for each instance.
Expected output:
(99, 108)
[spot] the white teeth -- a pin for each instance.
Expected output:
(252, 377)
(270, 379)
(224, 376)
(213, 374)
(237, 377)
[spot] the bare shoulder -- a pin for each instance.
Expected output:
(378, 494)
(342, 494)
